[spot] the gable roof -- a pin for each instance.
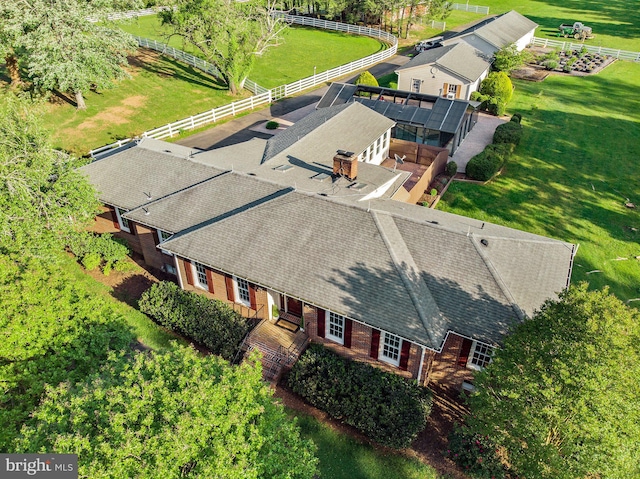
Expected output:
(395, 272)
(150, 170)
(460, 58)
(499, 32)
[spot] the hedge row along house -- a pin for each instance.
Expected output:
(305, 231)
(456, 68)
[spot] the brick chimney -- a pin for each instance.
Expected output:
(345, 163)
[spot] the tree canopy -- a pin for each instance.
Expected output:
(42, 198)
(560, 399)
(509, 58)
(61, 48)
(170, 415)
(228, 33)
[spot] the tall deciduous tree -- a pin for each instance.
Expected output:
(42, 198)
(561, 397)
(171, 415)
(68, 52)
(11, 32)
(228, 33)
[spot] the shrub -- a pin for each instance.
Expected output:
(497, 85)
(550, 64)
(452, 168)
(366, 78)
(484, 165)
(272, 125)
(517, 117)
(510, 132)
(384, 406)
(483, 99)
(209, 322)
(94, 251)
(496, 107)
(475, 454)
(433, 192)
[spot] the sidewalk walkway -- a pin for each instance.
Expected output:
(474, 143)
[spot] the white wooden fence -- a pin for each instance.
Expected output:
(470, 8)
(185, 57)
(262, 95)
(568, 46)
(130, 14)
(436, 24)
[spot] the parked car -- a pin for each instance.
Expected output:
(428, 44)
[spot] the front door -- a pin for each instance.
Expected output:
(294, 307)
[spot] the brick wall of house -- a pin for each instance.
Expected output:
(361, 346)
(152, 255)
(445, 370)
(104, 223)
(220, 291)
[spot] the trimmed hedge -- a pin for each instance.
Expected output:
(510, 132)
(452, 168)
(386, 407)
(209, 322)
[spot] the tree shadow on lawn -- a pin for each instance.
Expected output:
(159, 64)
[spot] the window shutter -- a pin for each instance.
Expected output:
(404, 355)
(188, 272)
(209, 280)
(321, 326)
(156, 238)
(464, 352)
(445, 90)
(458, 90)
(348, 326)
(252, 297)
(114, 217)
(228, 281)
(375, 343)
(132, 227)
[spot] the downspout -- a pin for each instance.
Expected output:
(175, 259)
(421, 365)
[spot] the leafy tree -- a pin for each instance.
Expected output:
(560, 399)
(366, 78)
(53, 329)
(171, 415)
(42, 198)
(11, 30)
(67, 52)
(229, 34)
(509, 58)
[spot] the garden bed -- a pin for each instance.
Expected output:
(575, 62)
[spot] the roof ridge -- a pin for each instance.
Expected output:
(418, 291)
(498, 278)
(225, 216)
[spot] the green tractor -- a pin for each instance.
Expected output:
(577, 31)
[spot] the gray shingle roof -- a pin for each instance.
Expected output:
(124, 179)
(461, 59)
(506, 29)
(228, 193)
(387, 267)
(243, 156)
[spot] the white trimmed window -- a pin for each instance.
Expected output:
(162, 237)
(201, 276)
(335, 331)
(242, 291)
(378, 144)
(123, 222)
(390, 349)
(480, 356)
(169, 268)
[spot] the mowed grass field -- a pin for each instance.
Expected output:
(300, 50)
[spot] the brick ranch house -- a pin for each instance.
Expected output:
(307, 222)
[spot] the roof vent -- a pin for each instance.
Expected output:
(283, 168)
(321, 176)
(484, 242)
(357, 186)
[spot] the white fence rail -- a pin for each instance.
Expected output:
(568, 46)
(262, 96)
(130, 14)
(436, 24)
(470, 8)
(185, 57)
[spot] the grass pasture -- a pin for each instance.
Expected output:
(573, 173)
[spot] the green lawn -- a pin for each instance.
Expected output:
(301, 50)
(572, 174)
(342, 457)
(160, 91)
